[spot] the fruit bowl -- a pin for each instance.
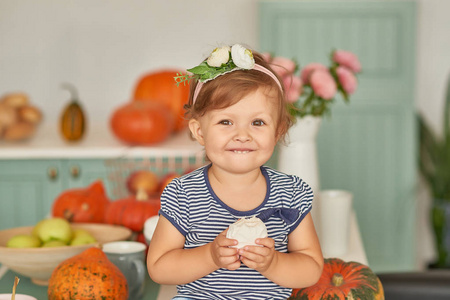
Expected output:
(38, 263)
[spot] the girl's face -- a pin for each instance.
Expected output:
(239, 138)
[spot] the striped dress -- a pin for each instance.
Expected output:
(191, 205)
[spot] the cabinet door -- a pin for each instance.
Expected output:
(82, 172)
(27, 190)
(368, 146)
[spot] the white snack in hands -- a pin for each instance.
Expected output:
(246, 231)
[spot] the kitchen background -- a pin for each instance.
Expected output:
(104, 47)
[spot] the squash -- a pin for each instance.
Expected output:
(73, 120)
(82, 205)
(159, 86)
(144, 180)
(343, 280)
(142, 123)
(88, 275)
(133, 211)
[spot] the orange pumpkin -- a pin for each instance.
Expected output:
(88, 275)
(82, 205)
(142, 123)
(160, 86)
(144, 181)
(343, 280)
(132, 212)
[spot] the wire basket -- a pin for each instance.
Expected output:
(120, 169)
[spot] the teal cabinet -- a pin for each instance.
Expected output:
(369, 146)
(27, 190)
(82, 172)
(28, 187)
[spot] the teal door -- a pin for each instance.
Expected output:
(367, 147)
(27, 190)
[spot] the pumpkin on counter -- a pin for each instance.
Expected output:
(133, 211)
(88, 275)
(343, 280)
(82, 205)
(142, 123)
(159, 86)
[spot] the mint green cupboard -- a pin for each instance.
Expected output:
(28, 187)
(369, 146)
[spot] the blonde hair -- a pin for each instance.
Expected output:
(228, 89)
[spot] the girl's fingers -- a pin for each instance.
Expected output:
(249, 255)
(226, 251)
(266, 242)
(223, 241)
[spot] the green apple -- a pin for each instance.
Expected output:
(53, 243)
(77, 232)
(83, 240)
(23, 241)
(53, 229)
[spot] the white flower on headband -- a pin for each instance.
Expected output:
(219, 63)
(242, 57)
(219, 56)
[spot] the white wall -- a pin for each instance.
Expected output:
(103, 47)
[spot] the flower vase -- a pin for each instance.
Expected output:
(299, 157)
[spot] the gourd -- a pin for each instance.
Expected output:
(142, 123)
(73, 120)
(343, 280)
(82, 205)
(159, 86)
(143, 180)
(132, 211)
(88, 275)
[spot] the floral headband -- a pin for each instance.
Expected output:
(223, 60)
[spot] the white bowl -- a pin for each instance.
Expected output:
(17, 297)
(38, 263)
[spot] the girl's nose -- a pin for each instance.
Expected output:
(242, 135)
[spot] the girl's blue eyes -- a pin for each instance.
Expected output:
(254, 123)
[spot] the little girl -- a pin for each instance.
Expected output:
(237, 112)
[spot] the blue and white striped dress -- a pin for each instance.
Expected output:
(191, 205)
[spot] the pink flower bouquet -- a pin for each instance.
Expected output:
(313, 90)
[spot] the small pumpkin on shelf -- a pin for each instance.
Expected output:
(88, 275)
(343, 280)
(73, 119)
(82, 205)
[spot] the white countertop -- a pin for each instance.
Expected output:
(98, 142)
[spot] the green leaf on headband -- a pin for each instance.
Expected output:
(204, 72)
(182, 78)
(203, 68)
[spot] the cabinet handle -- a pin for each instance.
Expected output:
(52, 173)
(75, 171)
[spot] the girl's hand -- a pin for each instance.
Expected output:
(222, 254)
(259, 258)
